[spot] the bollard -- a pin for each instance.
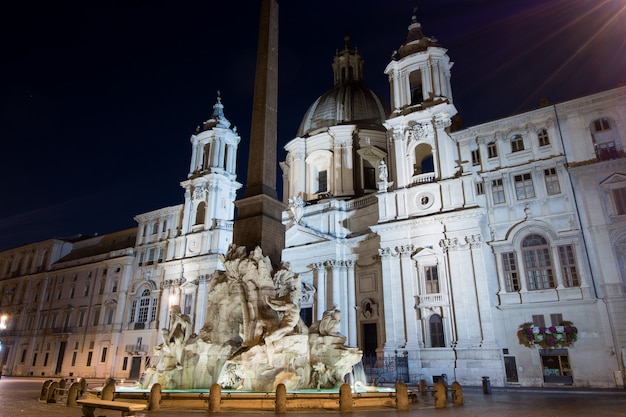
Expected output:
(439, 392)
(155, 397)
(50, 395)
(402, 396)
(108, 391)
(72, 394)
(423, 387)
(281, 399)
(43, 395)
(457, 394)
(345, 398)
(486, 385)
(215, 398)
(83, 385)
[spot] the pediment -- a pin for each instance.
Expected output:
(421, 253)
(614, 179)
(298, 235)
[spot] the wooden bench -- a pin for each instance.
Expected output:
(127, 409)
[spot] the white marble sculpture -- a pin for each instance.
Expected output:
(253, 338)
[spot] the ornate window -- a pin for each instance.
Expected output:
(431, 279)
(619, 198)
(492, 150)
(497, 190)
(200, 213)
(143, 309)
(517, 143)
(537, 263)
(476, 157)
(568, 266)
(542, 137)
(322, 181)
(511, 275)
(552, 181)
(524, 186)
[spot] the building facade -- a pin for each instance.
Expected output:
(495, 250)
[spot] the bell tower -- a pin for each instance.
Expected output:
(211, 186)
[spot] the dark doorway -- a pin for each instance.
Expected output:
(510, 367)
(135, 367)
(57, 371)
(370, 339)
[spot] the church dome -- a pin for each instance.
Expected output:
(349, 101)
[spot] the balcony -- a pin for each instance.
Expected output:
(137, 349)
(606, 152)
(426, 300)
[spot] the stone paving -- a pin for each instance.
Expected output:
(19, 397)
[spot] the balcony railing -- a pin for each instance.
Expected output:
(606, 153)
(137, 348)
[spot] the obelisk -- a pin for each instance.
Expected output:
(259, 212)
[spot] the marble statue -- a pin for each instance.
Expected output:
(253, 338)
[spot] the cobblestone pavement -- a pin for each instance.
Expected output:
(19, 397)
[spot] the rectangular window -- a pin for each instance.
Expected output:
(538, 268)
(542, 137)
(91, 344)
(511, 276)
(103, 356)
(539, 320)
(568, 266)
(369, 178)
(480, 188)
(556, 319)
(72, 292)
(34, 360)
(109, 318)
(76, 344)
(74, 358)
(497, 190)
(619, 198)
(45, 359)
(188, 303)
(125, 363)
(432, 279)
(492, 150)
(524, 186)
(86, 291)
(601, 124)
(552, 181)
(89, 357)
(322, 182)
(81, 318)
(133, 309)
(476, 157)
(96, 317)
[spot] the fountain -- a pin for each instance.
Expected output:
(253, 338)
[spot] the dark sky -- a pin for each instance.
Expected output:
(98, 99)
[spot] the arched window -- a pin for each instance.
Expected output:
(200, 213)
(537, 262)
(436, 331)
(423, 159)
(143, 310)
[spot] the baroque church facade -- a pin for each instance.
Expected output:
(495, 250)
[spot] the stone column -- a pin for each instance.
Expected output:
(352, 311)
(393, 313)
(202, 301)
(409, 286)
(320, 306)
(482, 290)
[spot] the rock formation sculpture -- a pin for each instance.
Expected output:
(253, 338)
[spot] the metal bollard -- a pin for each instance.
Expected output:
(486, 385)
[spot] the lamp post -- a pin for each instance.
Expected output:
(3, 326)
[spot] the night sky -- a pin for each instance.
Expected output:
(98, 99)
